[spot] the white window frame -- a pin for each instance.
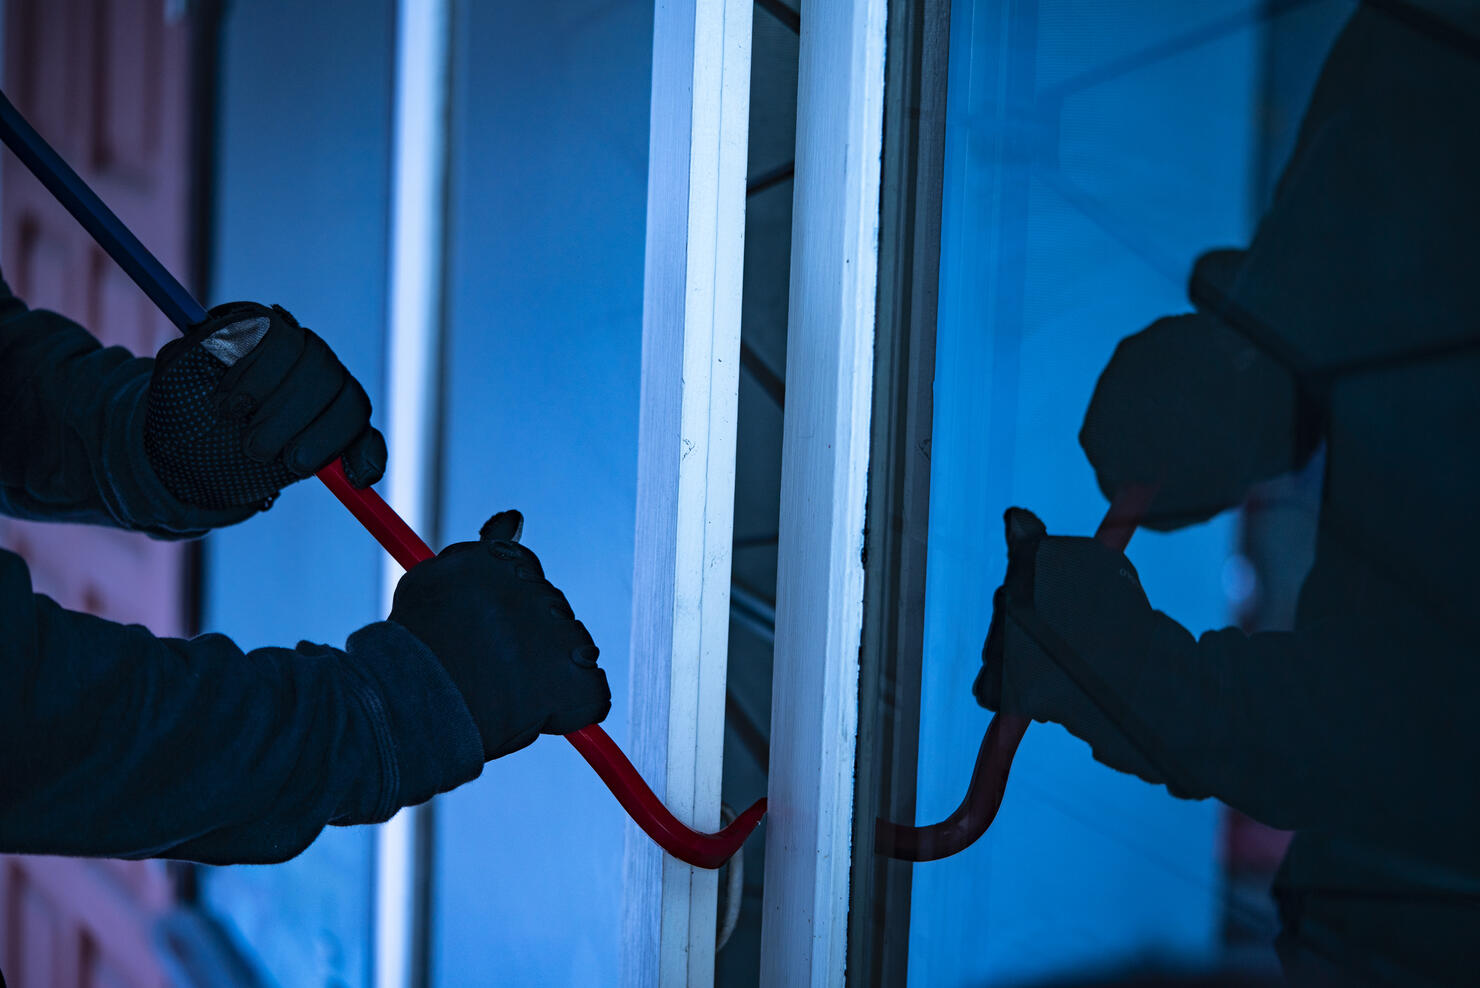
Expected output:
(693, 277)
(686, 476)
(824, 473)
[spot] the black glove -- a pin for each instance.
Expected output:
(1024, 534)
(1070, 620)
(508, 639)
(1363, 260)
(1196, 410)
(248, 402)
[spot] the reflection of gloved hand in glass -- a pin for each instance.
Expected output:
(1365, 255)
(249, 402)
(507, 638)
(1189, 406)
(1071, 642)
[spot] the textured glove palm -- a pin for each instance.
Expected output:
(249, 402)
(507, 638)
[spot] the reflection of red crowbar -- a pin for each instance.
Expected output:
(978, 809)
(701, 850)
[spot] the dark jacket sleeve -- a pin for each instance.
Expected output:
(72, 428)
(116, 743)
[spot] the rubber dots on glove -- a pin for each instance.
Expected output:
(249, 402)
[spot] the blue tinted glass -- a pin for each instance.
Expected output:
(1093, 151)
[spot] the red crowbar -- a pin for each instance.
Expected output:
(594, 744)
(988, 783)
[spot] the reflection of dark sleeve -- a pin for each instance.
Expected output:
(1361, 726)
(71, 431)
(116, 743)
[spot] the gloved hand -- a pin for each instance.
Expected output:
(249, 402)
(1069, 642)
(1364, 260)
(507, 638)
(1195, 409)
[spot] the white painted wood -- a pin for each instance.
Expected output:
(824, 466)
(686, 469)
(413, 343)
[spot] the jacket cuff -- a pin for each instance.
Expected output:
(425, 738)
(135, 493)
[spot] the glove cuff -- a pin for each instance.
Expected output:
(426, 740)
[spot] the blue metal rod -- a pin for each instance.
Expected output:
(107, 229)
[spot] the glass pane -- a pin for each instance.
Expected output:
(1092, 152)
(548, 168)
(1075, 199)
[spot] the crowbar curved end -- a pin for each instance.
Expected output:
(698, 849)
(988, 783)
(595, 745)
